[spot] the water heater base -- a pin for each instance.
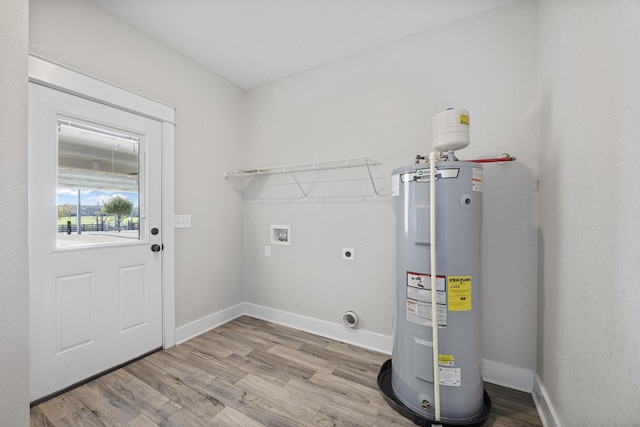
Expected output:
(384, 384)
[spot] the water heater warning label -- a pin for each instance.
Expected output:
(446, 360)
(423, 281)
(459, 288)
(450, 377)
(419, 299)
(476, 180)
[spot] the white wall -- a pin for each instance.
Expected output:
(81, 35)
(380, 104)
(14, 274)
(589, 321)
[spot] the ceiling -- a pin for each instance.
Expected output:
(251, 42)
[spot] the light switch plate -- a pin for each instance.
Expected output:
(182, 221)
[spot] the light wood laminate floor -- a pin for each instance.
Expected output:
(250, 372)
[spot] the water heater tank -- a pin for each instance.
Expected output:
(450, 130)
(407, 380)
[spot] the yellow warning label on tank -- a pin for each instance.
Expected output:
(459, 293)
(464, 119)
(446, 359)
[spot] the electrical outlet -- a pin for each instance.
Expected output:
(267, 250)
(348, 254)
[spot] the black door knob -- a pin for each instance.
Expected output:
(155, 247)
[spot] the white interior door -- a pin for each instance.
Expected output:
(94, 218)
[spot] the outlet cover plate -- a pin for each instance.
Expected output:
(348, 254)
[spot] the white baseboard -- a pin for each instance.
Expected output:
(548, 414)
(202, 325)
(508, 376)
(337, 331)
(366, 339)
(493, 372)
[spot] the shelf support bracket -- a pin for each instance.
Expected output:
(299, 186)
(373, 184)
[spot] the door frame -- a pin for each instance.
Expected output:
(65, 79)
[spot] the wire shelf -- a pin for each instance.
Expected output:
(240, 178)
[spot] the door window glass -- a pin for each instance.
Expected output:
(98, 188)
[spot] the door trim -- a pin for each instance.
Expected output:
(65, 79)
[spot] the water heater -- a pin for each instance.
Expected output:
(409, 380)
